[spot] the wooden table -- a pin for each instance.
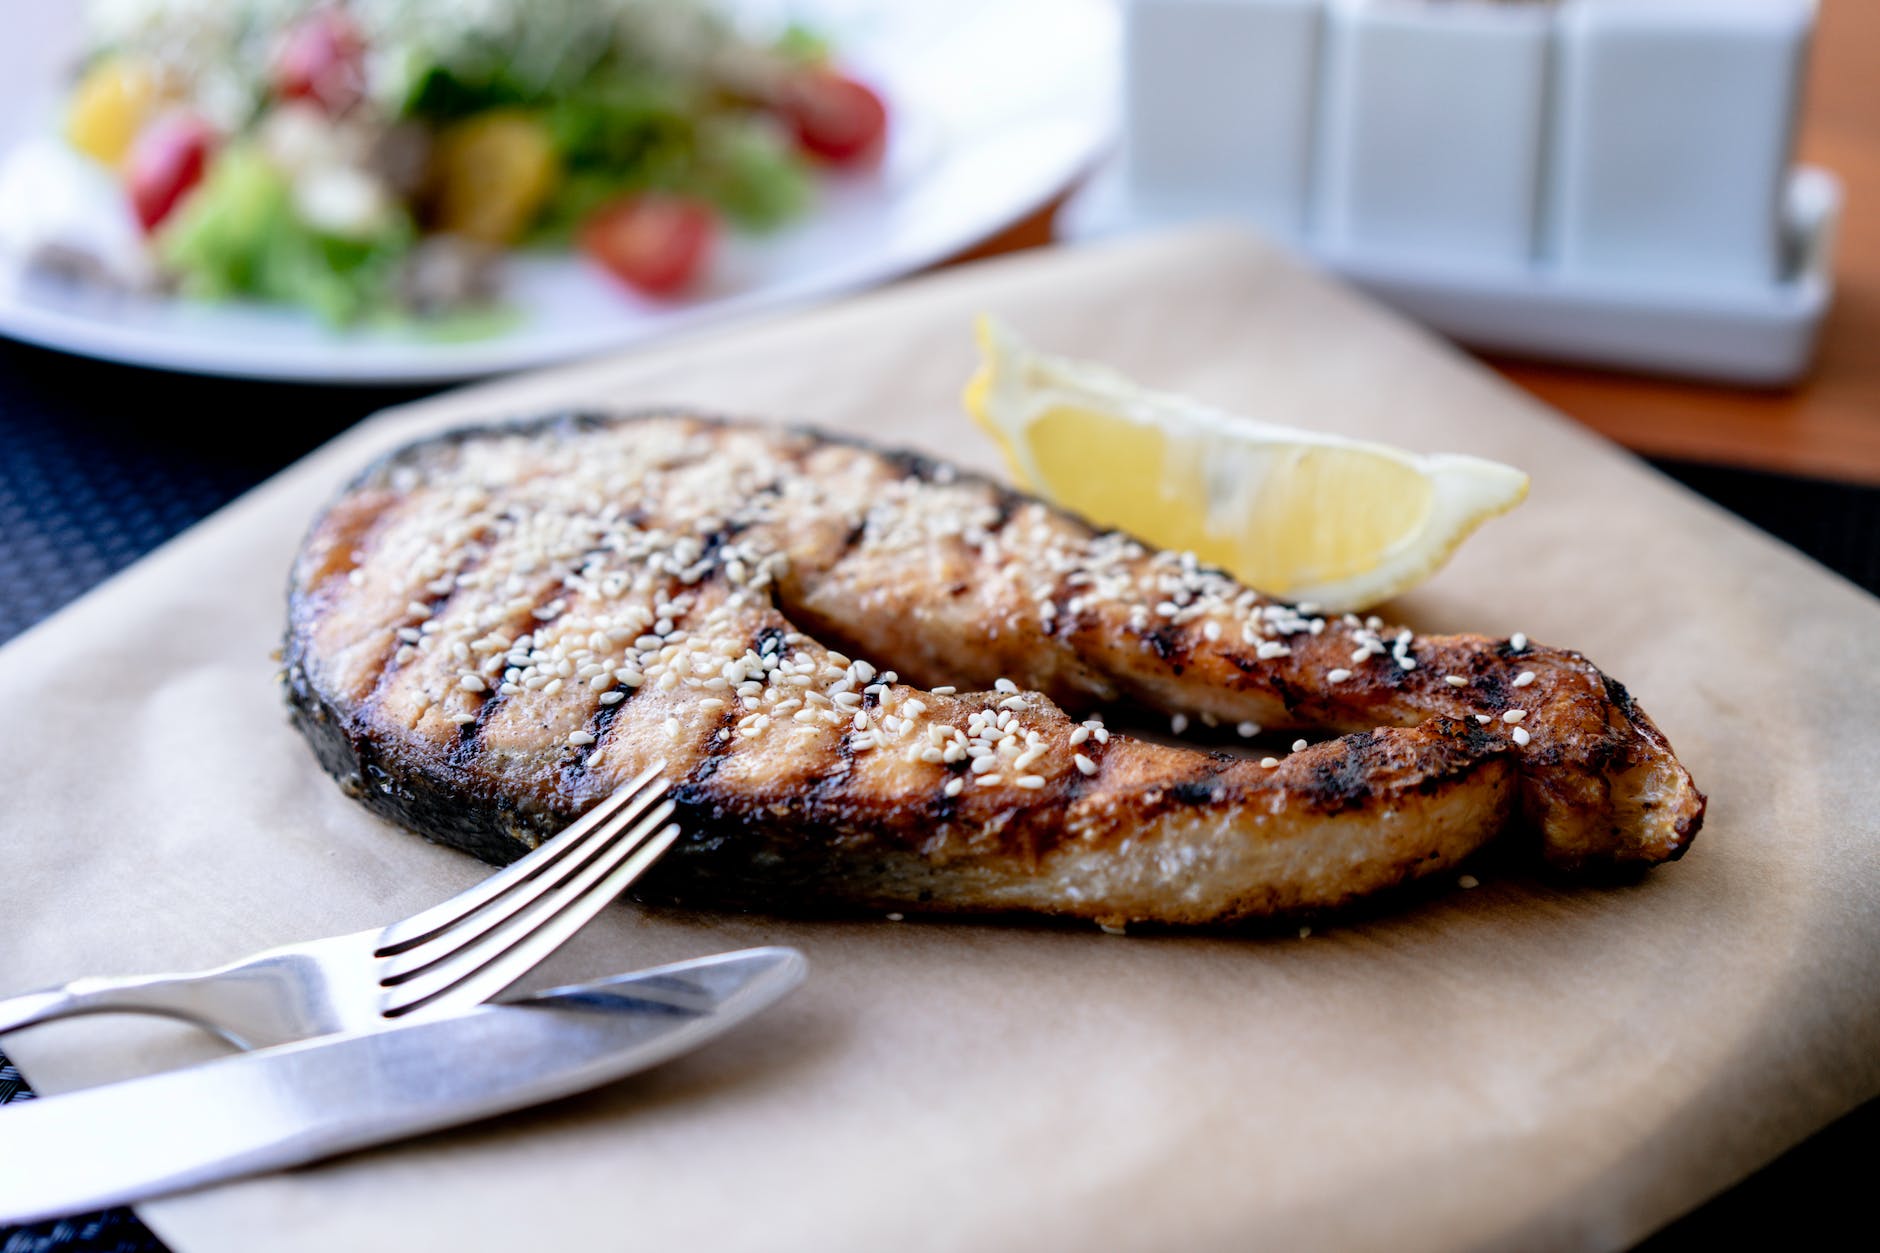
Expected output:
(1829, 425)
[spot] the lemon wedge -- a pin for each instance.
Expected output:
(1297, 514)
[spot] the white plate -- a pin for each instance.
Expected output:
(994, 108)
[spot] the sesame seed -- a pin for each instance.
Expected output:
(1514, 716)
(945, 691)
(1271, 763)
(897, 917)
(1112, 928)
(1211, 631)
(1522, 736)
(1299, 746)
(990, 780)
(612, 698)
(1305, 933)
(580, 739)
(1032, 781)
(472, 683)
(1004, 685)
(955, 786)
(463, 716)
(1455, 680)
(1524, 678)
(1084, 764)
(1518, 642)
(1247, 730)
(1484, 719)
(672, 728)
(1468, 881)
(1272, 649)
(1338, 675)
(1079, 735)
(1178, 723)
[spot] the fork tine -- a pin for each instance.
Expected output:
(423, 926)
(415, 960)
(498, 960)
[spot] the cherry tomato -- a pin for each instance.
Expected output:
(656, 243)
(834, 117)
(166, 160)
(322, 59)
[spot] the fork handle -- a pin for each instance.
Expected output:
(30, 1008)
(155, 994)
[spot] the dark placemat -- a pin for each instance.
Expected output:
(99, 464)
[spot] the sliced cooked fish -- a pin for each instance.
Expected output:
(879, 681)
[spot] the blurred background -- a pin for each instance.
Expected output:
(229, 229)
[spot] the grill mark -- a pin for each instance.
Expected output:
(1491, 689)
(701, 774)
(1198, 790)
(388, 667)
(769, 641)
(599, 723)
(711, 543)
(1346, 782)
(773, 491)
(469, 741)
(465, 750)
(909, 464)
(1621, 699)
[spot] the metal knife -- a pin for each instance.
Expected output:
(279, 1107)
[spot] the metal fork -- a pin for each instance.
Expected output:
(453, 955)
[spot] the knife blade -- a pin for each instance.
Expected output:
(279, 1107)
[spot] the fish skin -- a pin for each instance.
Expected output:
(881, 566)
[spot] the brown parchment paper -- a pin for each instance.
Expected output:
(1526, 1065)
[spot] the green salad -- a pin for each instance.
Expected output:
(368, 158)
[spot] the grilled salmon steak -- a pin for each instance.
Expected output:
(878, 682)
